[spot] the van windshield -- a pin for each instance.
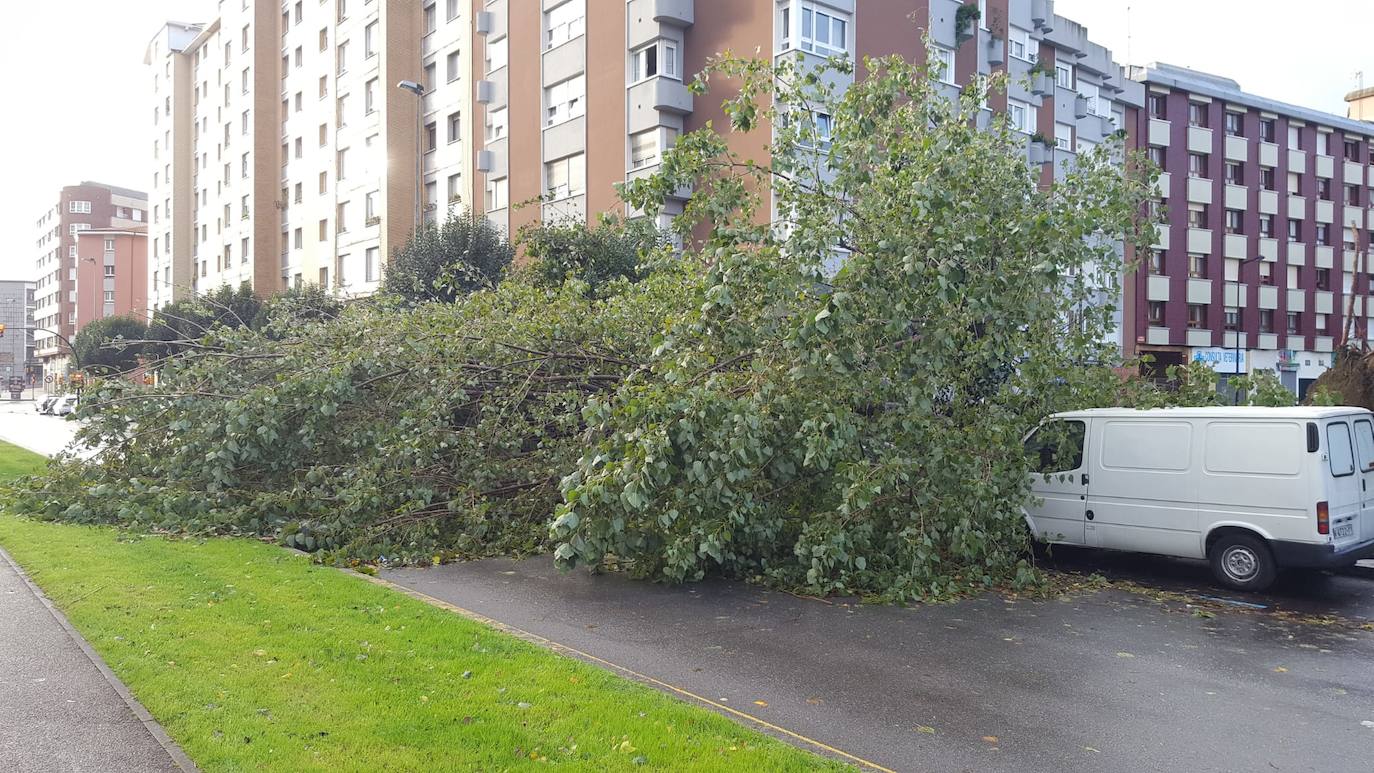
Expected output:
(1340, 453)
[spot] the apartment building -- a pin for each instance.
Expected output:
(79, 208)
(1264, 256)
(111, 274)
(16, 345)
(286, 152)
(573, 97)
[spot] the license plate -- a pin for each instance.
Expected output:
(1343, 530)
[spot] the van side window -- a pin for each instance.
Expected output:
(1341, 457)
(1056, 447)
(1364, 444)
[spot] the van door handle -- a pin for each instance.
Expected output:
(1085, 479)
(1090, 515)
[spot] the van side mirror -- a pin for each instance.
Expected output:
(1314, 443)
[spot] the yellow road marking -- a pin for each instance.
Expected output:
(535, 638)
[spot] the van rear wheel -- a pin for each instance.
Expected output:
(1243, 562)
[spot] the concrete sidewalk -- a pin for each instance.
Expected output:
(60, 707)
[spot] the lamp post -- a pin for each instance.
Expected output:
(1235, 395)
(418, 90)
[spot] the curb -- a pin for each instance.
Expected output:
(150, 724)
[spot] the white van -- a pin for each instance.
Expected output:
(1251, 490)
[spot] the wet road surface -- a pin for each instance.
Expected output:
(1106, 680)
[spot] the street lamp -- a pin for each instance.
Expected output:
(1235, 395)
(418, 90)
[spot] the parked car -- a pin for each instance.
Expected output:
(45, 405)
(64, 406)
(1251, 490)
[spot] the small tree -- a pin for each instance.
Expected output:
(191, 319)
(99, 345)
(609, 250)
(444, 262)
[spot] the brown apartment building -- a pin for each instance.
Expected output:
(78, 208)
(111, 274)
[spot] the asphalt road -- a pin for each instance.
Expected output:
(21, 425)
(1102, 681)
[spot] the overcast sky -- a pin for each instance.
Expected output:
(77, 92)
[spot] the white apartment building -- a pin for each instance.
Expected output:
(288, 155)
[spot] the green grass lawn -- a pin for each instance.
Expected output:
(252, 658)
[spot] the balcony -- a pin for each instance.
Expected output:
(1326, 167)
(664, 94)
(1297, 300)
(679, 12)
(1200, 240)
(1237, 148)
(1157, 288)
(1268, 154)
(1199, 139)
(1297, 161)
(1199, 291)
(1200, 190)
(1159, 132)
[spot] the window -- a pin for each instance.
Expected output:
(300, 57)
(1197, 215)
(824, 32)
(370, 97)
(1319, 324)
(1294, 322)
(1197, 165)
(455, 127)
(1156, 155)
(1021, 45)
(1159, 106)
(1323, 234)
(1352, 195)
(324, 86)
(370, 206)
(1323, 279)
(1294, 183)
(1157, 262)
(1266, 226)
(243, 252)
(431, 137)
(565, 22)
(1267, 131)
(324, 229)
(1235, 221)
(1157, 313)
(565, 100)
(1324, 188)
(1323, 144)
(299, 195)
(496, 124)
(1338, 449)
(1063, 136)
(1232, 318)
(784, 27)
(324, 134)
(79, 207)
(1093, 94)
(342, 171)
(1294, 137)
(299, 102)
(431, 19)
(644, 148)
(496, 194)
(299, 14)
(497, 51)
(451, 67)
(109, 247)
(658, 58)
(244, 167)
(1063, 75)
(1267, 179)
(1197, 316)
(370, 40)
(245, 80)
(109, 296)
(1057, 447)
(566, 176)
(1235, 124)
(455, 188)
(943, 58)
(1266, 271)
(1352, 151)
(1235, 174)
(370, 263)
(341, 57)
(1197, 266)
(341, 217)
(1266, 320)
(1021, 116)
(1294, 230)
(1197, 114)
(452, 10)
(324, 38)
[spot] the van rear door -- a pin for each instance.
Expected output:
(1364, 459)
(1059, 481)
(1343, 481)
